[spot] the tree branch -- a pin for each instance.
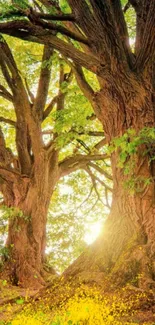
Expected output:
(98, 23)
(5, 93)
(2, 140)
(27, 31)
(41, 15)
(84, 86)
(29, 92)
(122, 31)
(87, 198)
(82, 82)
(8, 121)
(37, 6)
(70, 164)
(44, 81)
(106, 197)
(104, 184)
(57, 28)
(126, 7)
(103, 13)
(59, 17)
(92, 117)
(48, 132)
(93, 179)
(50, 3)
(36, 18)
(5, 71)
(136, 4)
(50, 107)
(82, 143)
(146, 47)
(8, 59)
(60, 101)
(100, 144)
(90, 133)
(85, 20)
(100, 170)
(5, 153)
(9, 174)
(26, 121)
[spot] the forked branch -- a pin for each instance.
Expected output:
(70, 164)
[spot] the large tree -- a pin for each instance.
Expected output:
(125, 101)
(36, 159)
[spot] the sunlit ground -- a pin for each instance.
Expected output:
(86, 307)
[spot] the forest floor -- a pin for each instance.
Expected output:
(62, 304)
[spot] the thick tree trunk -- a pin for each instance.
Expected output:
(26, 242)
(125, 250)
(29, 200)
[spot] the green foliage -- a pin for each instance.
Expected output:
(21, 4)
(137, 184)
(5, 6)
(9, 5)
(20, 301)
(11, 213)
(73, 120)
(123, 2)
(49, 63)
(64, 6)
(130, 143)
(130, 17)
(128, 146)
(5, 254)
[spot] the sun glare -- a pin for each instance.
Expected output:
(93, 232)
(93, 229)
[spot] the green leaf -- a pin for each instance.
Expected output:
(4, 283)
(20, 301)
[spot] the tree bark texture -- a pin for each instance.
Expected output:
(26, 240)
(125, 250)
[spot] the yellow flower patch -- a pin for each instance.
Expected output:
(86, 307)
